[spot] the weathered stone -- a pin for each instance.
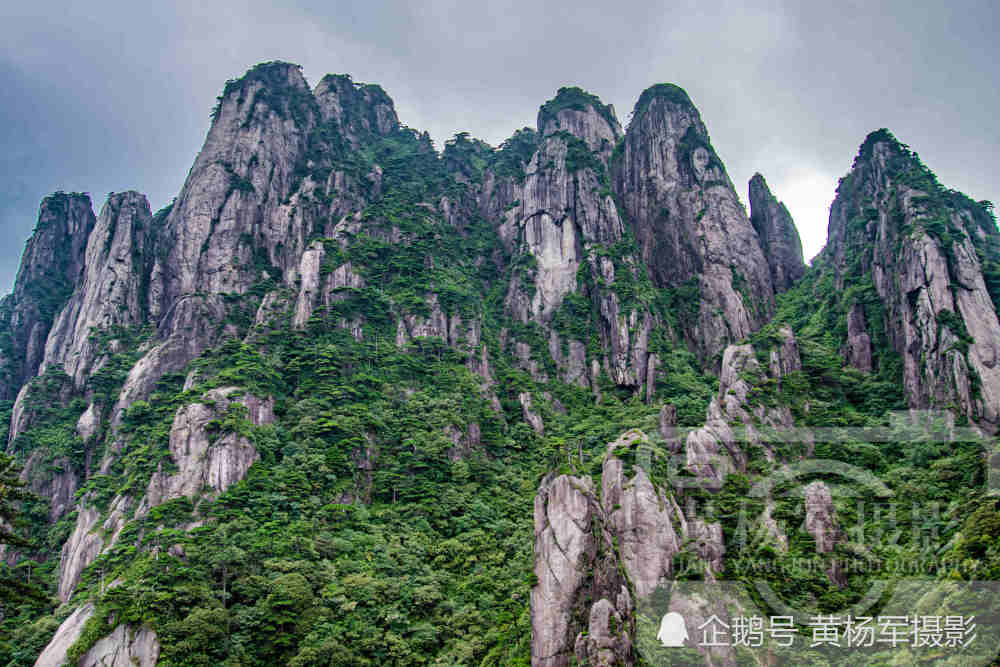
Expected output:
(54, 654)
(124, 647)
(929, 286)
(51, 267)
(110, 293)
(859, 343)
(689, 222)
(204, 461)
(530, 416)
(563, 546)
(80, 550)
(779, 238)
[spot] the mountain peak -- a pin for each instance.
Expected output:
(778, 236)
(583, 115)
(669, 92)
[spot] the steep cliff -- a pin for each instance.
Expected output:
(927, 253)
(51, 267)
(689, 222)
(778, 236)
(354, 400)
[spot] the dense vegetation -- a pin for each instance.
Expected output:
(389, 519)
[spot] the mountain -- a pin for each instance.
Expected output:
(352, 400)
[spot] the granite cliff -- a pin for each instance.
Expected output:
(353, 400)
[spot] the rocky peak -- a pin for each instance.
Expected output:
(359, 109)
(584, 116)
(691, 227)
(110, 291)
(51, 267)
(778, 236)
(923, 249)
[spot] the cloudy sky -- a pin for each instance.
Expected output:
(101, 96)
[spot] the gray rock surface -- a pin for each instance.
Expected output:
(642, 519)
(124, 647)
(51, 267)
(54, 654)
(110, 292)
(688, 219)
(859, 343)
(203, 459)
(938, 313)
(80, 550)
(821, 523)
(689, 222)
(779, 238)
(564, 546)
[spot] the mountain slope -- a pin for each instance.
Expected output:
(350, 400)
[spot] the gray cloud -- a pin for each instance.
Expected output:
(107, 95)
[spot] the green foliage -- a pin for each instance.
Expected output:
(954, 323)
(273, 91)
(576, 99)
(668, 91)
(514, 154)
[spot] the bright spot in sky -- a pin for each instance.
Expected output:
(808, 195)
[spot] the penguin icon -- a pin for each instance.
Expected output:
(673, 632)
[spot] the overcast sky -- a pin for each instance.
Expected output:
(107, 96)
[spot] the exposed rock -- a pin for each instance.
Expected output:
(80, 550)
(557, 211)
(709, 545)
(437, 324)
(778, 237)
(204, 461)
(89, 422)
(124, 647)
(605, 550)
(51, 267)
(641, 517)
(530, 416)
(584, 116)
(187, 329)
(821, 523)
(564, 545)
(668, 427)
(463, 443)
(603, 646)
(55, 482)
(110, 293)
(859, 343)
(716, 449)
(689, 222)
(922, 249)
(359, 109)
(54, 654)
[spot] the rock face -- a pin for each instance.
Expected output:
(859, 342)
(204, 461)
(576, 559)
(583, 541)
(564, 546)
(716, 449)
(924, 248)
(562, 207)
(109, 294)
(691, 227)
(79, 551)
(562, 225)
(821, 523)
(778, 237)
(54, 654)
(125, 647)
(51, 267)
